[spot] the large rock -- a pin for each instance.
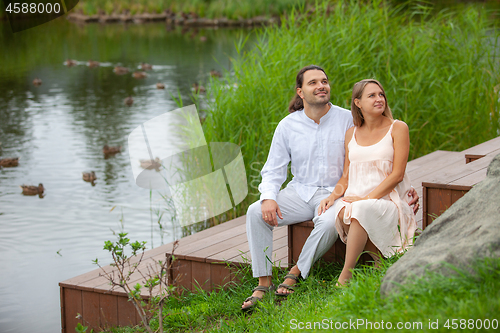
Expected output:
(468, 230)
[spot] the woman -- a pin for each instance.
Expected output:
(374, 215)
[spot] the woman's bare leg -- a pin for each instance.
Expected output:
(374, 252)
(356, 242)
(341, 217)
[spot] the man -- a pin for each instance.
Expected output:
(312, 139)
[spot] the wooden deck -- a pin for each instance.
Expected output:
(206, 259)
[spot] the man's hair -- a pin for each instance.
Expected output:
(357, 92)
(297, 103)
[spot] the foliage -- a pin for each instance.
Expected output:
(468, 294)
(127, 258)
(439, 71)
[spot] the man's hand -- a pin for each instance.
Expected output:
(414, 201)
(270, 209)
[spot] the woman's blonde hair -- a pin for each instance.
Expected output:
(357, 92)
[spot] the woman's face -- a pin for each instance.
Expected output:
(372, 101)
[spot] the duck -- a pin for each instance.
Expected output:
(215, 73)
(198, 89)
(33, 190)
(37, 82)
(70, 62)
(151, 164)
(139, 75)
(119, 70)
(160, 85)
(107, 150)
(146, 67)
(92, 63)
(128, 101)
(9, 162)
(89, 176)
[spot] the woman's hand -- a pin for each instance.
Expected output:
(325, 204)
(353, 198)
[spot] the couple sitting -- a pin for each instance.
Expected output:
(349, 180)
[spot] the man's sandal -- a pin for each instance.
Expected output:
(255, 299)
(286, 286)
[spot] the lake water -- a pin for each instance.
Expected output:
(58, 130)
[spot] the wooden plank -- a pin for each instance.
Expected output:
(212, 248)
(187, 248)
(280, 257)
(127, 314)
(101, 284)
(418, 172)
(220, 275)
(73, 307)
(300, 236)
(108, 308)
(437, 201)
(447, 186)
(472, 157)
(200, 275)
(63, 312)
(425, 207)
(74, 282)
(227, 250)
(290, 244)
(182, 273)
(456, 195)
(426, 159)
(471, 179)
(485, 147)
(90, 311)
(237, 253)
(280, 242)
(453, 173)
(196, 238)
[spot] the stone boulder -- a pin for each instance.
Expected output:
(468, 230)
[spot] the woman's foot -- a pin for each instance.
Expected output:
(344, 277)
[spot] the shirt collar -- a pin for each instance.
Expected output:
(322, 119)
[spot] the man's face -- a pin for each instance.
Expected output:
(315, 89)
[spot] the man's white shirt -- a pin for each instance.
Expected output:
(315, 150)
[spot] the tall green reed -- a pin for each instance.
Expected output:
(439, 72)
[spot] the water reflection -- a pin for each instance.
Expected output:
(58, 130)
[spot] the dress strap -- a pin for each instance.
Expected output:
(353, 138)
(390, 128)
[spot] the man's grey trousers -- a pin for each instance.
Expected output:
(293, 210)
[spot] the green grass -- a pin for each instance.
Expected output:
(432, 298)
(439, 71)
(203, 8)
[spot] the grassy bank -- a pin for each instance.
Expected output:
(202, 8)
(439, 72)
(433, 299)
